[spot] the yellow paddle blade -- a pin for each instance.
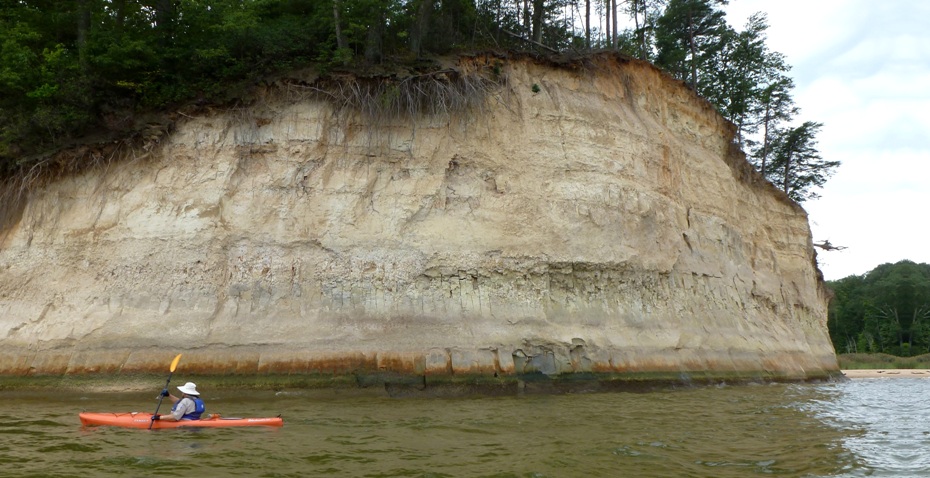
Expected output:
(174, 363)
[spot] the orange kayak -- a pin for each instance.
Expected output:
(142, 420)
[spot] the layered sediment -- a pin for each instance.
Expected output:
(590, 220)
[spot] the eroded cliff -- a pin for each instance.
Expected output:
(603, 224)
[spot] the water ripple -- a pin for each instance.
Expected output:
(849, 429)
(887, 423)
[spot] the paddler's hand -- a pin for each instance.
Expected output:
(164, 393)
(156, 417)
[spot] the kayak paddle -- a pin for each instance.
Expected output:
(174, 365)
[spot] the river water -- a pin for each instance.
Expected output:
(863, 427)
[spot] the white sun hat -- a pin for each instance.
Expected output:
(189, 388)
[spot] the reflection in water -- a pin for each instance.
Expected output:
(857, 428)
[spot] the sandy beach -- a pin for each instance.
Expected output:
(888, 373)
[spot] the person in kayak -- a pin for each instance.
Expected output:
(189, 407)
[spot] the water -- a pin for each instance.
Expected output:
(875, 428)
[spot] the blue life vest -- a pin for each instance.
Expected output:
(199, 408)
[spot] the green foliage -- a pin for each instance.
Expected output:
(885, 310)
(796, 165)
(741, 73)
(748, 84)
(775, 107)
(640, 42)
(97, 66)
(688, 36)
(57, 85)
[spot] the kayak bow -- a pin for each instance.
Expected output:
(143, 420)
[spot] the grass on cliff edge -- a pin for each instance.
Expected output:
(881, 361)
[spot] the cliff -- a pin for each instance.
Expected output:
(591, 219)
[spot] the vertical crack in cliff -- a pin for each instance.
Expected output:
(553, 94)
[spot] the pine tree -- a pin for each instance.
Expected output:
(688, 34)
(644, 14)
(797, 166)
(775, 107)
(740, 73)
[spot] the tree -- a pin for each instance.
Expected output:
(420, 25)
(166, 16)
(607, 38)
(740, 74)
(644, 14)
(687, 35)
(846, 319)
(93, 65)
(341, 42)
(884, 310)
(539, 9)
(797, 166)
(44, 92)
(748, 85)
(775, 108)
(901, 293)
(613, 29)
(587, 24)
(83, 26)
(452, 24)
(375, 26)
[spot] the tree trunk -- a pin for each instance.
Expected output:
(341, 41)
(636, 23)
(538, 10)
(83, 24)
(765, 137)
(420, 26)
(374, 42)
(518, 10)
(587, 23)
(614, 38)
(607, 21)
(526, 18)
(693, 46)
(164, 19)
(119, 11)
(785, 181)
(643, 55)
(497, 21)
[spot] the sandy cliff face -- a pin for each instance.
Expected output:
(603, 224)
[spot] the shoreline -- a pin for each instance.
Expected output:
(393, 385)
(887, 373)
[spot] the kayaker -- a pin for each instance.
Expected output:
(188, 407)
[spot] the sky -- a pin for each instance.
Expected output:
(862, 68)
